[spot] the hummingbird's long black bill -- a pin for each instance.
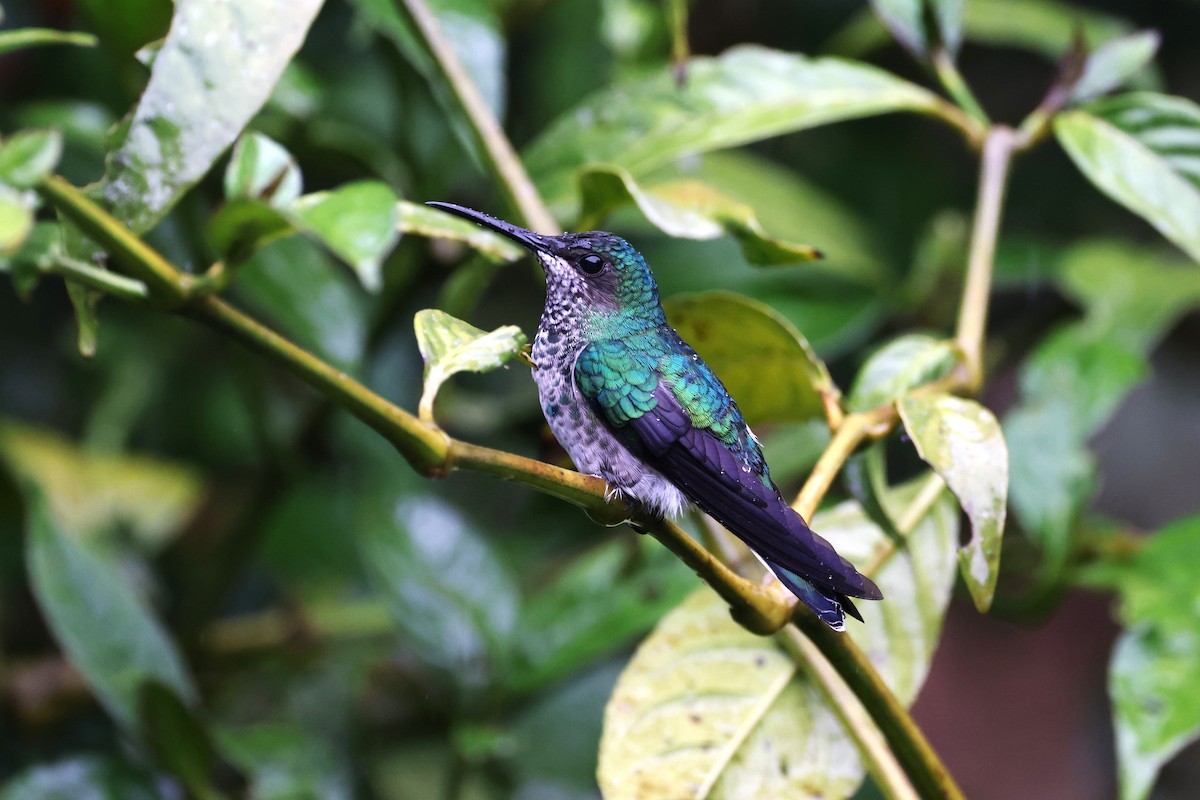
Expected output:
(534, 241)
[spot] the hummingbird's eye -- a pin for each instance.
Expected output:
(591, 264)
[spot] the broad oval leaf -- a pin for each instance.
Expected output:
(357, 222)
(215, 69)
(103, 628)
(29, 156)
(962, 441)
(689, 209)
(448, 590)
(707, 710)
(767, 365)
(450, 345)
(745, 94)
(1155, 664)
(900, 365)
(1140, 150)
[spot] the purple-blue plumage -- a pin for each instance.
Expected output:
(631, 402)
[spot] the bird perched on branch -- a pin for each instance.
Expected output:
(633, 403)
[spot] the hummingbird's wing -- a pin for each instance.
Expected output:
(710, 454)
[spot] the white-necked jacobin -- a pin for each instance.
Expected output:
(633, 403)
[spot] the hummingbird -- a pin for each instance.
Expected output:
(632, 402)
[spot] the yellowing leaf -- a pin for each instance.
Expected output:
(87, 492)
(962, 441)
(707, 710)
(450, 345)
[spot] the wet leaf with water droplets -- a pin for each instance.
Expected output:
(962, 441)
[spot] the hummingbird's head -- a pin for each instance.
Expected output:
(597, 271)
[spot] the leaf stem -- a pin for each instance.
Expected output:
(998, 149)
(954, 84)
(169, 287)
(494, 146)
(98, 278)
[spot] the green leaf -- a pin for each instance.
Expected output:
(899, 366)
(11, 41)
(447, 589)
(793, 209)
(303, 292)
(357, 222)
(29, 156)
(206, 84)
(16, 219)
(1140, 150)
(424, 220)
(746, 94)
(1077, 377)
(83, 777)
(767, 365)
(239, 228)
(179, 740)
(261, 169)
(1155, 664)
(450, 345)
(689, 209)
(83, 303)
(906, 19)
(103, 628)
(962, 441)
(704, 709)
(1114, 63)
(562, 627)
(88, 493)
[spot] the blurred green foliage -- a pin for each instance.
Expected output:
(215, 582)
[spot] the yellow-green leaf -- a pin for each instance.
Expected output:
(88, 492)
(962, 441)
(767, 365)
(707, 710)
(450, 345)
(688, 209)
